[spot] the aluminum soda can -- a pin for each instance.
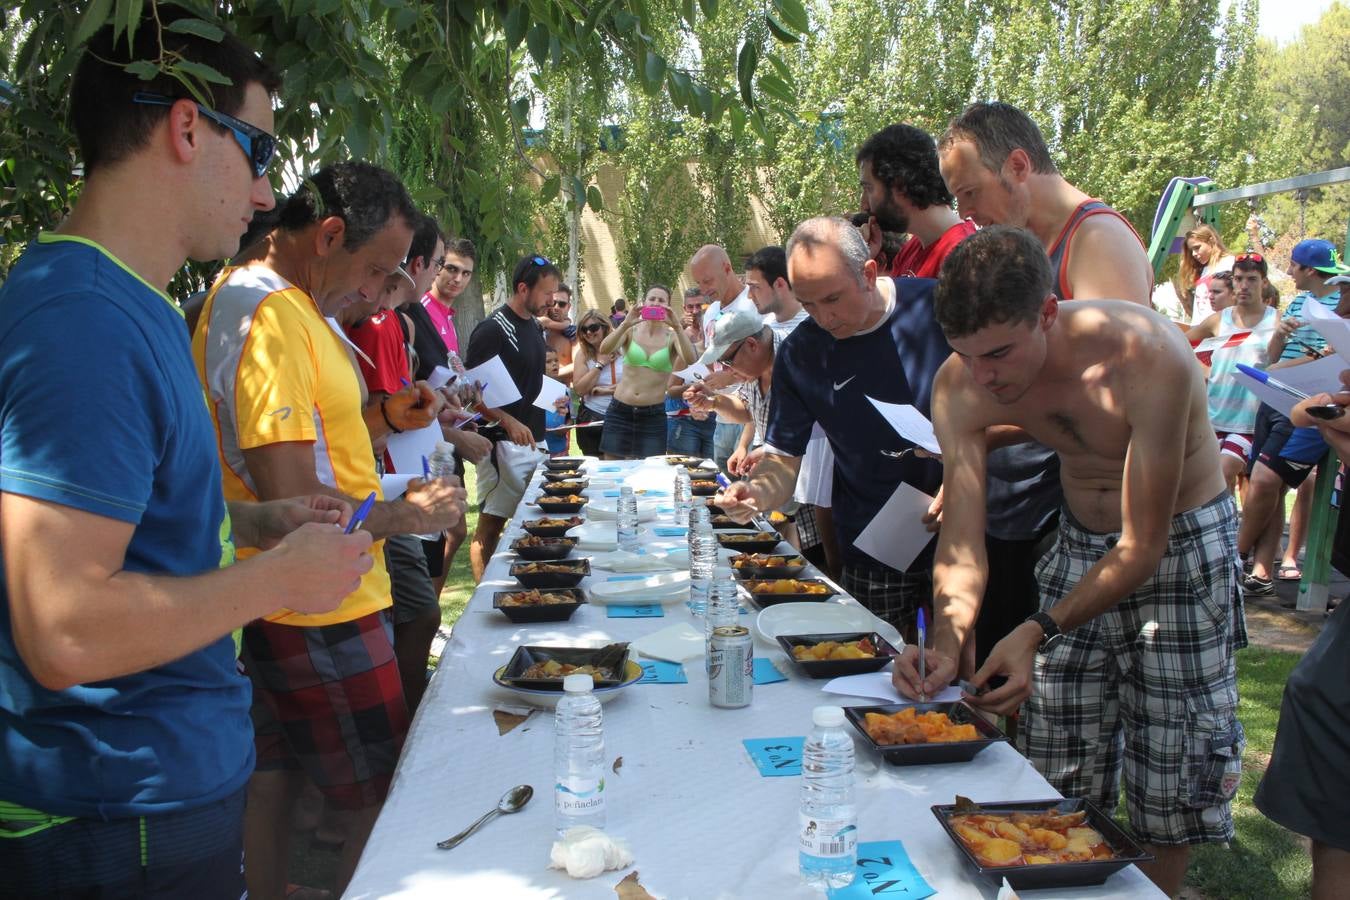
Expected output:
(731, 661)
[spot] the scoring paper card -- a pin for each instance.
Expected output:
(765, 672)
(655, 671)
(884, 870)
(776, 756)
(645, 611)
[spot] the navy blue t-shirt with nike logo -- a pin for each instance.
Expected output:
(817, 378)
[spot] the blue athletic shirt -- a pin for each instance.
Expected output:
(101, 410)
(817, 378)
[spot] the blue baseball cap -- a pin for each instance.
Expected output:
(1320, 255)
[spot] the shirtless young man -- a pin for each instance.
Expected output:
(1139, 620)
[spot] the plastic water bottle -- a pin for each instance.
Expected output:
(724, 605)
(828, 838)
(702, 559)
(440, 464)
(684, 496)
(627, 519)
(442, 461)
(578, 756)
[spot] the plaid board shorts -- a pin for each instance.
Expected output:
(1149, 686)
(890, 594)
(328, 699)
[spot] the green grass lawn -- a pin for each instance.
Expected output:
(1264, 861)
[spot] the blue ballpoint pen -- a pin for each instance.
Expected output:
(923, 667)
(426, 469)
(1327, 411)
(359, 517)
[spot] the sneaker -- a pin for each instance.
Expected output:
(1258, 587)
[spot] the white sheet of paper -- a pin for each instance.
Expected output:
(878, 685)
(896, 533)
(678, 643)
(1329, 325)
(407, 449)
(1314, 377)
(549, 392)
(393, 486)
(697, 370)
(909, 423)
(501, 390)
(1310, 378)
(439, 377)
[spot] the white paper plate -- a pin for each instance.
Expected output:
(623, 561)
(606, 510)
(664, 588)
(679, 557)
(600, 536)
(830, 617)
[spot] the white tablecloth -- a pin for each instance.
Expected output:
(702, 823)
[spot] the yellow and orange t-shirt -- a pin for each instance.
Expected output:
(275, 371)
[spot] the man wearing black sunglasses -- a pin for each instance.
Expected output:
(127, 729)
(559, 331)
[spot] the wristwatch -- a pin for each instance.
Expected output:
(1052, 634)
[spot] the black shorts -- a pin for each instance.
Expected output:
(409, 578)
(1273, 430)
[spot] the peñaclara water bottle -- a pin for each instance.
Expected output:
(578, 756)
(627, 516)
(828, 838)
(684, 496)
(702, 559)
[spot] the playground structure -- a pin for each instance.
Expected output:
(1190, 201)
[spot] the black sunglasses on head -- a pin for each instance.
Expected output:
(259, 146)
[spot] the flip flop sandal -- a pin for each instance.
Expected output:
(1288, 573)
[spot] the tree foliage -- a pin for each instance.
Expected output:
(1309, 130)
(359, 75)
(702, 104)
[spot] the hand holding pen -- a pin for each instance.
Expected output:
(1326, 412)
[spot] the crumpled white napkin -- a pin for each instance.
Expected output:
(585, 852)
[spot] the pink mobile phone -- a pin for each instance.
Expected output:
(653, 313)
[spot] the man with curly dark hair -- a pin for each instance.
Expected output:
(903, 191)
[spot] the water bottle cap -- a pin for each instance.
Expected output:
(821, 716)
(580, 683)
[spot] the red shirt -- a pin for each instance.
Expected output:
(917, 261)
(380, 337)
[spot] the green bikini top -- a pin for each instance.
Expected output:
(659, 361)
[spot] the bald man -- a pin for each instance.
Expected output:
(722, 288)
(870, 336)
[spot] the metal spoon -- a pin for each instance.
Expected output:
(511, 801)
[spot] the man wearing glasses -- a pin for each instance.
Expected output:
(125, 742)
(454, 271)
(559, 331)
